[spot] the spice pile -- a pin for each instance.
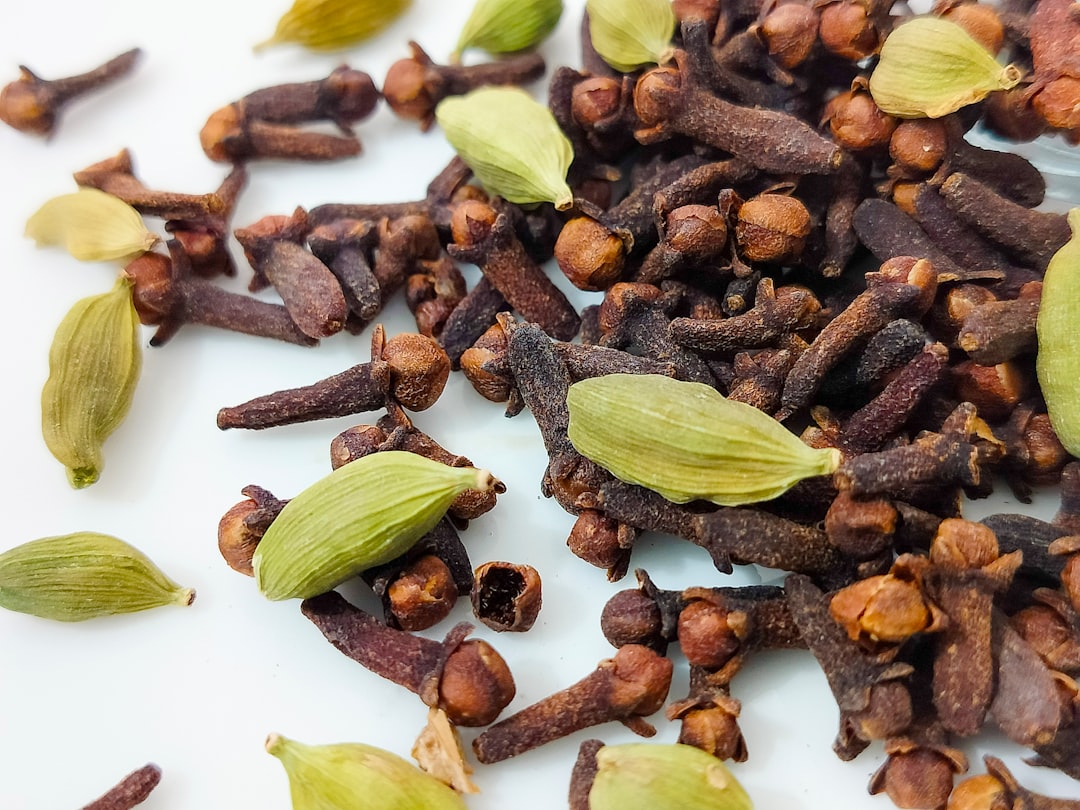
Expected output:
(729, 253)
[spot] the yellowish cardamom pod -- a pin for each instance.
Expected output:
(511, 143)
(92, 226)
(631, 33)
(361, 515)
(506, 26)
(654, 776)
(686, 441)
(347, 776)
(930, 67)
(82, 576)
(94, 365)
(1058, 361)
(329, 25)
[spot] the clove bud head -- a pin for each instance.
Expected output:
(26, 106)
(663, 777)
(349, 775)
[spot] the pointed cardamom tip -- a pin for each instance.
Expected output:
(82, 477)
(485, 481)
(185, 596)
(1010, 77)
(565, 201)
(274, 743)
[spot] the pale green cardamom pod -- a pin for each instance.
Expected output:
(629, 34)
(361, 515)
(92, 226)
(686, 441)
(349, 776)
(507, 26)
(1058, 361)
(329, 25)
(929, 67)
(94, 365)
(82, 576)
(512, 144)
(654, 776)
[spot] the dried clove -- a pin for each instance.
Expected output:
(410, 369)
(413, 87)
(465, 678)
(33, 105)
(133, 789)
(485, 238)
(627, 688)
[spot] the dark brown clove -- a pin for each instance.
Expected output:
(997, 331)
(132, 790)
(167, 296)
(709, 717)
(628, 687)
(243, 525)
(311, 293)
(116, 176)
(345, 97)
(466, 678)
(33, 105)
(205, 237)
(873, 699)
(345, 247)
(485, 238)
(669, 103)
(413, 87)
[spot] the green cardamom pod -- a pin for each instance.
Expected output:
(347, 776)
(929, 67)
(654, 776)
(361, 515)
(686, 441)
(511, 142)
(507, 26)
(94, 365)
(92, 226)
(631, 33)
(1058, 361)
(82, 576)
(329, 25)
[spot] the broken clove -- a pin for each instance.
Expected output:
(505, 596)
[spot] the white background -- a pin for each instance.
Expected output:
(196, 690)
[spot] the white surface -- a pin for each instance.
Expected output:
(197, 690)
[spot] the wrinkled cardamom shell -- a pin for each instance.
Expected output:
(930, 67)
(507, 26)
(1058, 327)
(347, 776)
(663, 777)
(628, 34)
(512, 143)
(81, 576)
(94, 366)
(92, 226)
(686, 441)
(361, 515)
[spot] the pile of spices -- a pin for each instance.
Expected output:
(819, 320)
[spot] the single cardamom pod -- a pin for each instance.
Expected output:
(686, 441)
(663, 777)
(631, 33)
(929, 67)
(330, 25)
(361, 515)
(92, 226)
(94, 365)
(346, 776)
(507, 26)
(82, 576)
(1058, 361)
(511, 143)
